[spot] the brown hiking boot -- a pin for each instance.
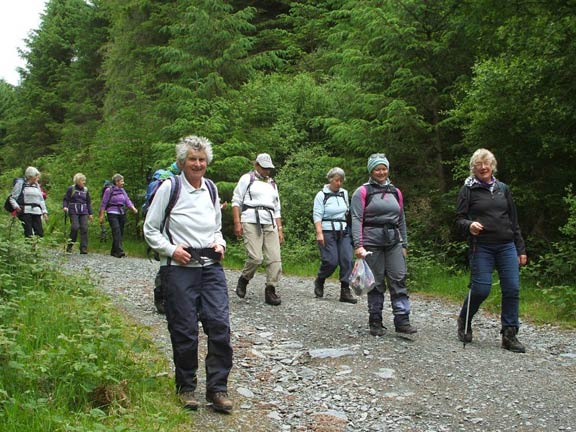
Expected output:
(509, 340)
(463, 335)
(402, 324)
(241, 287)
(188, 400)
(220, 401)
(270, 296)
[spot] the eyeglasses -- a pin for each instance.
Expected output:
(377, 155)
(482, 165)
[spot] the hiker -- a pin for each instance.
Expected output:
(379, 236)
(331, 206)
(115, 200)
(27, 200)
(190, 244)
(486, 216)
(256, 214)
(77, 206)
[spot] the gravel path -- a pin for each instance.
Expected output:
(310, 365)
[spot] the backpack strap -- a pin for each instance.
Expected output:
(175, 187)
(211, 190)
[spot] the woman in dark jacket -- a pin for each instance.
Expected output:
(77, 205)
(115, 201)
(486, 214)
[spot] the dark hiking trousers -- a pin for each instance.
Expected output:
(32, 224)
(192, 294)
(117, 222)
(337, 250)
(79, 223)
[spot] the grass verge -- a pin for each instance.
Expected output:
(68, 360)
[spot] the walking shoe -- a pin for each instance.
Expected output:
(241, 286)
(376, 328)
(346, 295)
(270, 296)
(509, 340)
(220, 401)
(319, 287)
(464, 336)
(188, 400)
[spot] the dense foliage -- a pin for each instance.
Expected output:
(110, 86)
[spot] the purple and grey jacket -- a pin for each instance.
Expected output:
(77, 201)
(115, 200)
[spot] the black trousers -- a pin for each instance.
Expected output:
(198, 294)
(117, 222)
(32, 224)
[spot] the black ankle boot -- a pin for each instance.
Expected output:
(376, 328)
(319, 287)
(463, 335)
(509, 340)
(345, 294)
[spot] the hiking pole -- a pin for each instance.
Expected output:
(469, 291)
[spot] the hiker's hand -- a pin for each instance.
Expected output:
(360, 252)
(135, 210)
(476, 228)
(45, 216)
(238, 230)
(280, 235)
(522, 259)
(90, 218)
(320, 239)
(219, 249)
(405, 252)
(65, 209)
(180, 255)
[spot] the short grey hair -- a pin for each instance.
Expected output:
(481, 155)
(78, 177)
(116, 178)
(31, 172)
(336, 172)
(195, 143)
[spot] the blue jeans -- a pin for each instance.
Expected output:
(484, 257)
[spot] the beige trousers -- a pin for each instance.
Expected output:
(262, 245)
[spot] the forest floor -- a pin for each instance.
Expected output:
(311, 365)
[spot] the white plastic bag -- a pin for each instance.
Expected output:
(361, 279)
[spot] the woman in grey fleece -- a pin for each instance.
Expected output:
(379, 236)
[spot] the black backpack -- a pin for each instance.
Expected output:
(20, 200)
